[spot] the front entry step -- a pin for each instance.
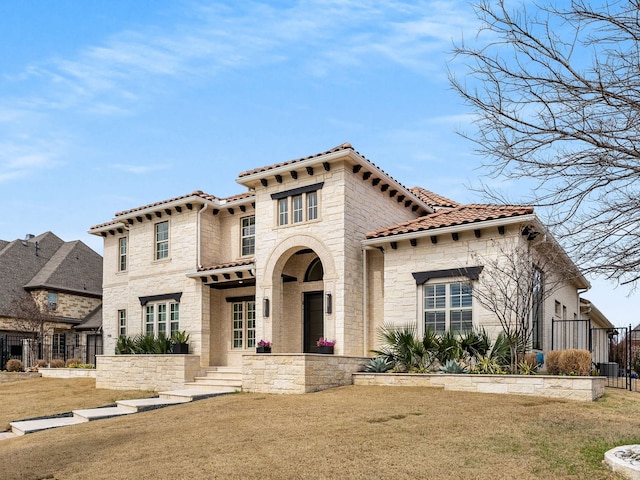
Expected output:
(218, 379)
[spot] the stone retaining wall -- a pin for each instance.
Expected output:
(6, 377)
(146, 372)
(298, 373)
(68, 372)
(584, 389)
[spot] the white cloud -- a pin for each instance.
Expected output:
(138, 169)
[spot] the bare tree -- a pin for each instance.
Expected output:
(557, 95)
(514, 285)
(29, 318)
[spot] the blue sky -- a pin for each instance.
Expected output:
(109, 105)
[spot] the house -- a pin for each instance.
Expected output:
(323, 246)
(49, 288)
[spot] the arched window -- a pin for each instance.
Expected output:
(315, 271)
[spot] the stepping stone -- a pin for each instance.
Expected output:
(28, 426)
(193, 394)
(104, 412)
(141, 404)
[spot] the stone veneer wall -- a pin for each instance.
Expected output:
(67, 372)
(298, 373)
(146, 372)
(584, 389)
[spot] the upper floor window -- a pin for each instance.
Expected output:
(52, 301)
(248, 235)
(162, 240)
(122, 254)
(298, 205)
(448, 307)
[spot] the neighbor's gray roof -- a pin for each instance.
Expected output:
(59, 266)
(93, 321)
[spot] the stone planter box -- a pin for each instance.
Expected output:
(584, 389)
(68, 372)
(298, 373)
(146, 372)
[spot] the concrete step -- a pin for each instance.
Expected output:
(98, 413)
(7, 435)
(195, 393)
(27, 426)
(221, 382)
(143, 404)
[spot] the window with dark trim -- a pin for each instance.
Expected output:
(298, 205)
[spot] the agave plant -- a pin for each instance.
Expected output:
(453, 366)
(485, 364)
(378, 365)
(403, 350)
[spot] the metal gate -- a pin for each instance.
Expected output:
(613, 350)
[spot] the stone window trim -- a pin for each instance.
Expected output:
(122, 322)
(472, 273)
(158, 298)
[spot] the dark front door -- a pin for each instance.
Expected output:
(313, 321)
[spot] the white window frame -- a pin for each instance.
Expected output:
(161, 244)
(123, 245)
(243, 325)
(303, 207)
(122, 322)
(161, 317)
(248, 236)
(444, 304)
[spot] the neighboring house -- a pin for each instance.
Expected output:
(323, 246)
(65, 281)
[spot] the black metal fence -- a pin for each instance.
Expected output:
(57, 346)
(613, 349)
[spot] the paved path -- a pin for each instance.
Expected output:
(123, 407)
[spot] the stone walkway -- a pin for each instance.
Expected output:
(123, 407)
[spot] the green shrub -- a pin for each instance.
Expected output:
(144, 345)
(57, 363)
(124, 345)
(14, 365)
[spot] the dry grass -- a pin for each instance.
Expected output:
(44, 396)
(349, 432)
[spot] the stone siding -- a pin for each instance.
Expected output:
(282, 373)
(146, 372)
(68, 372)
(585, 389)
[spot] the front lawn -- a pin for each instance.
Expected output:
(347, 432)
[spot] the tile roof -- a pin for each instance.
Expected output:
(220, 266)
(344, 146)
(195, 193)
(433, 199)
(461, 215)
